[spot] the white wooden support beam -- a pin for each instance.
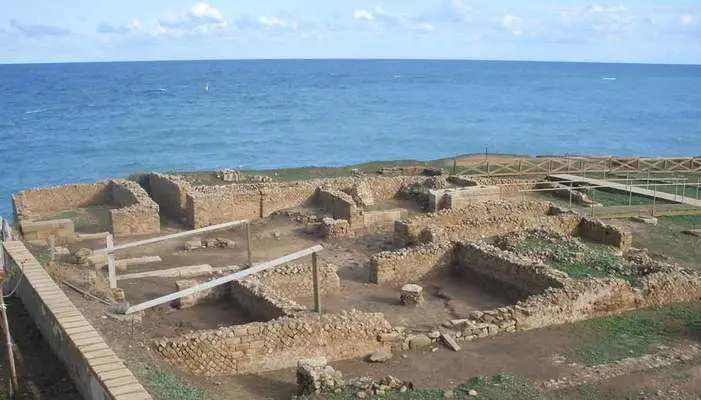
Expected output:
(224, 279)
(111, 264)
(315, 277)
(172, 236)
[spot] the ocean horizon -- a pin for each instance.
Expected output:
(79, 122)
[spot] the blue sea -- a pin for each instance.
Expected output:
(63, 123)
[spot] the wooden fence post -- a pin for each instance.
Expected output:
(248, 244)
(315, 277)
(111, 264)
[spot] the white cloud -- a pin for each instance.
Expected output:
(204, 11)
(201, 17)
(276, 23)
(381, 18)
(687, 20)
(512, 24)
(363, 15)
(606, 9)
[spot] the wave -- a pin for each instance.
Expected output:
(41, 110)
(608, 78)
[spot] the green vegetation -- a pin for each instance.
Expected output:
(163, 385)
(576, 258)
(610, 197)
(608, 339)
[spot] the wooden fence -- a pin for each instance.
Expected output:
(583, 165)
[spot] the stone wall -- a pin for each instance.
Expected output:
(29, 204)
(274, 345)
(170, 192)
(440, 199)
(62, 230)
(597, 231)
(295, 280)
(341, 205)
(528, 276)
(138, 214)
(509, 186)
(207, 205)
(410, 264)
(261, 301)
(480, 220)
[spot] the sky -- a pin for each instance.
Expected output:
(37, 31)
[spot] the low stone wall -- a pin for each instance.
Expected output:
(62, 230)
(207, 205)
(597, 231)
(341, 205)
(138, 214)
(480, 220)
(335, 228)
(295, 280)
(579, 300)
(528, 276)
(509, 186)
(261, 301)
(410, 264)
(452, 198)
(170, 192)
(28, 204)
(669, 287)
(274, 345)
(95, 369)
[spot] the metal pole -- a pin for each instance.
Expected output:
(593, 198)
(630, 190)
(676, 188)
(683, 190)
(455, 166)
(248, 244)
(315, 276)
(697, 188)
(647, 185)
(654, 200)
(570, 190)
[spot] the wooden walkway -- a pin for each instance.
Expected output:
(625, 188)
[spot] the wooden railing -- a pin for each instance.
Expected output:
(583, 165)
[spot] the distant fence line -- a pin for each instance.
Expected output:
(583, 165)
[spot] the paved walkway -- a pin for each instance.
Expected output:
(95, 368)
(625, 188)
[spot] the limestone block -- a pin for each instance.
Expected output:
(411, 295)
(62, 230)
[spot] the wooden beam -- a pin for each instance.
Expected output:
(224, 279)
(111, 263)
(178, 272)
(248, 244)
(172, 236)
(315, 277)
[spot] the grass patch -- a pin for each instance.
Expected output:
(608, 339)
(163, 385)
(577, 259)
